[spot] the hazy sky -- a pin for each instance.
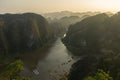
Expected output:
(42, 6)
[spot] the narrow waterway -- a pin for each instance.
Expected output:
(55, 62)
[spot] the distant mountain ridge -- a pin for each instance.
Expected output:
(61, 14)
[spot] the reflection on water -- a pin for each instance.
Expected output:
(55, 60)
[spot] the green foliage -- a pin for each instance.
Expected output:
(100, 75)
(11, 72)
(13, 68)
(110, 62)
(89, 78)
(20, 78)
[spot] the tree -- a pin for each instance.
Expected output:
(11, 72)
(100, 75)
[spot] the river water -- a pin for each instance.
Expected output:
(53, 64)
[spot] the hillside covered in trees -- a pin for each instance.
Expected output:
(96, 39)
(19, 32)
(96, 34)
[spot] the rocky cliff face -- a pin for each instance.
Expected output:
(19, 32)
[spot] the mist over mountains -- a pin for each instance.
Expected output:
(58, 15)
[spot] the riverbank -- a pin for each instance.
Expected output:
(54, 59)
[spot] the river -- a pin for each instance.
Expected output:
(47, 63)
